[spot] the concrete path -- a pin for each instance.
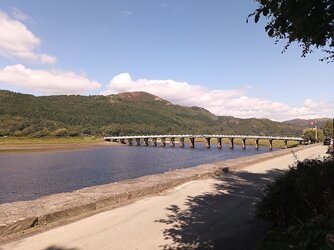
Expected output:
(204, 214)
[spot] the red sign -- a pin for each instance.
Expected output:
(314, 122)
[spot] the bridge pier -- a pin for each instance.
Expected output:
(208, 143)
(145, 142)
(130, 142)
(285, 143)
(172, 142)
(122, 141)
(219, 142)
(244, 143)
(270, 145)
(192, 142)
(181, 142)
(163, 142)
(154, 142)
(257, 144)
(231, 143)
(137, 141)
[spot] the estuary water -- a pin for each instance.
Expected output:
(27, 176)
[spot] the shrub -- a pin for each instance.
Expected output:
(4, 132)
(300, 204)
(73, 133)
(60, 132)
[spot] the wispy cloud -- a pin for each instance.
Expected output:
(126, 13)
(47, 81)
(234, 102)
(17, 41)
(19, 15)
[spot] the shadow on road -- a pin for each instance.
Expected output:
(223, 219)
(59, 248)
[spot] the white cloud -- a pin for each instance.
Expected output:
(17, 41)
(234, 102)
(46, 81)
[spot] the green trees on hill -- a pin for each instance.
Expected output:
(127, 113)
(310, 134)
(328, 129)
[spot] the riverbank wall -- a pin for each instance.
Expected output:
(22, 218)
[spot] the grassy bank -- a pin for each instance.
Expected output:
(49, 140)
(31, 144)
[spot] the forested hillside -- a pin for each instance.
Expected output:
(307, 123)
(125, 113)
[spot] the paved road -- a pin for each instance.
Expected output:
(205, 214)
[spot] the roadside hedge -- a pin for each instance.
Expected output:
(300, 206)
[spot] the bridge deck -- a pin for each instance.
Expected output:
(255, 137)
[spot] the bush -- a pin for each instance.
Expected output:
(41, 133)
(300, 204)
(60, 132)
(73, 133)
(4, 132)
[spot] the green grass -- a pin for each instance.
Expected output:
(49, 140)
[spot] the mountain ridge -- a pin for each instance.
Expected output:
(307, 122)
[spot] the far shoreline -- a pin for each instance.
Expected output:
(46, 147)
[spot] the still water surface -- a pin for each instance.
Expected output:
(27, 176)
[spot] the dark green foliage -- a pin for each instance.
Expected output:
(309, 135)
(126, 113)
(259, 126)
(328, 129)
(307, 123)
(60, 132)
(300, 205)
(310, 23)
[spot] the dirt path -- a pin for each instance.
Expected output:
(211, 213)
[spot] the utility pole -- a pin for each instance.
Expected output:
(333, 129)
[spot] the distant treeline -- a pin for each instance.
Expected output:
(126, 113)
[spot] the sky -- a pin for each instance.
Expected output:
(189, 52)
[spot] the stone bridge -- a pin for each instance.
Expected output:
(172, 139)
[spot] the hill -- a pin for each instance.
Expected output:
(306, 123)
(125, 113)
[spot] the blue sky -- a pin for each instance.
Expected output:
(194, 52)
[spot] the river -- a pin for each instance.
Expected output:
(27, 176)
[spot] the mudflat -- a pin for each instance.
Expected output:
(197, 214)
